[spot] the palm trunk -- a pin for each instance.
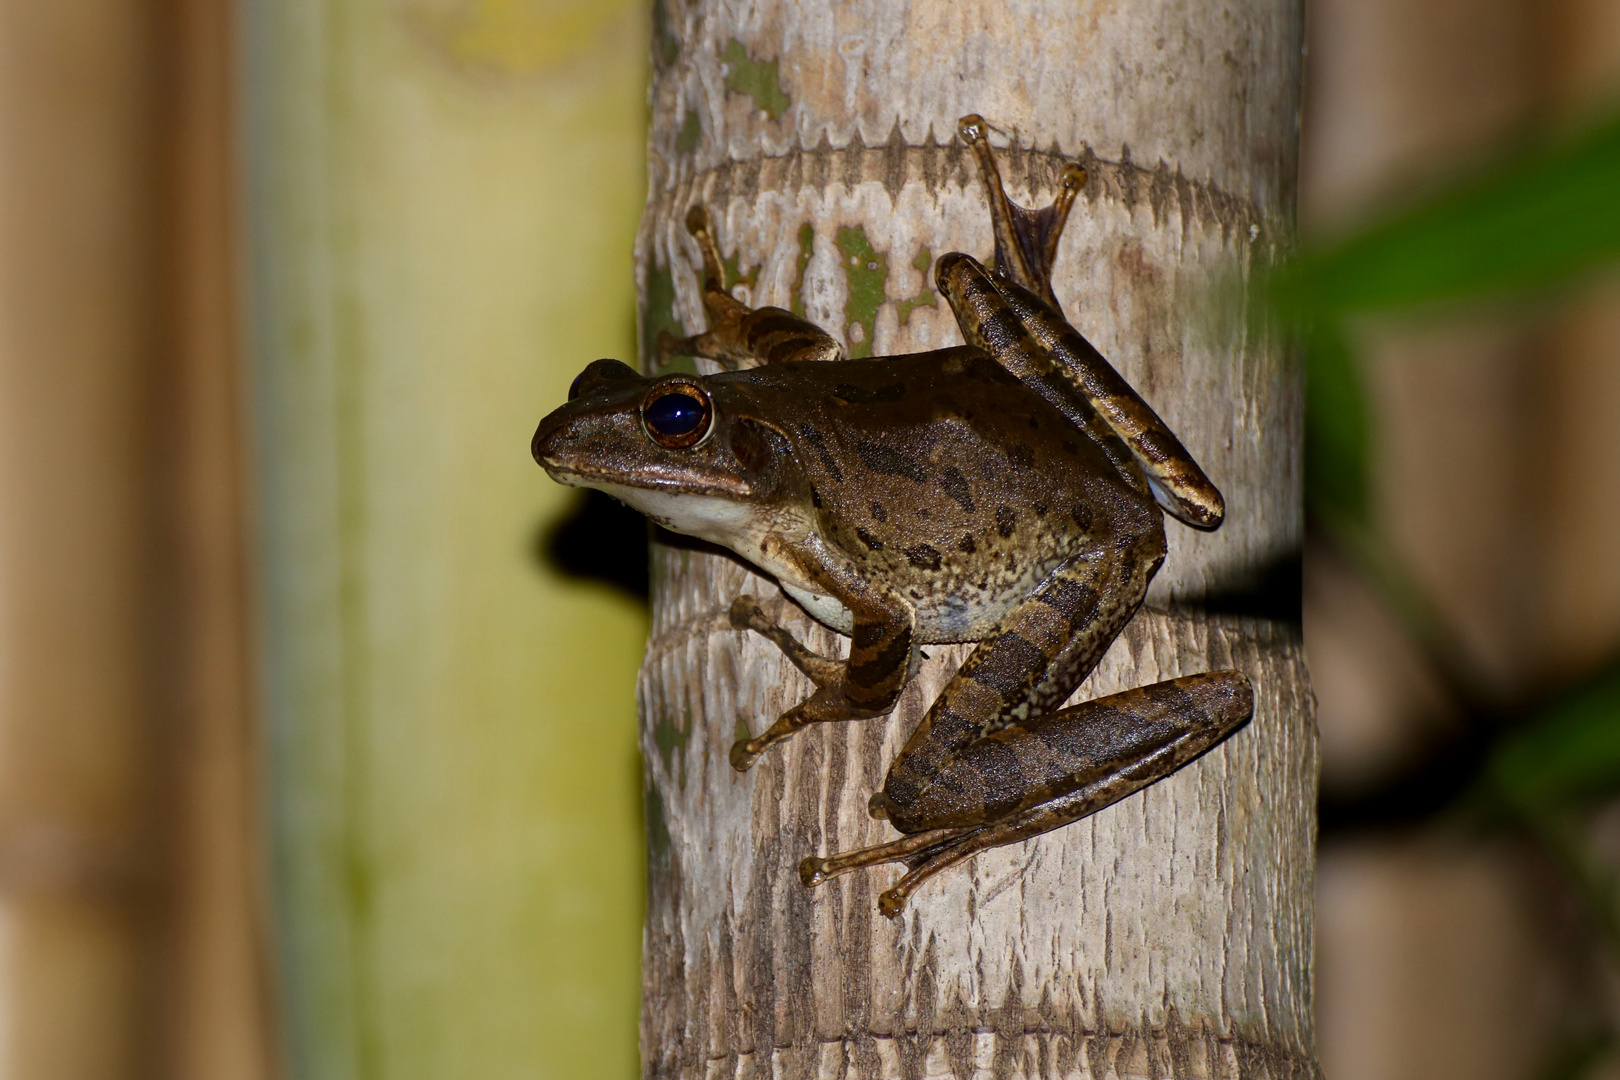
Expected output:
(1170, 934)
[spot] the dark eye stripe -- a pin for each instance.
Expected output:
(677, 415)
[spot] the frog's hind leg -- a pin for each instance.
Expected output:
(1026, 240)
(1179, 485)
(740, 336)
(1033, 341)
(1067, 765)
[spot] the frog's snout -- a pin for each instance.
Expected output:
(546, 437)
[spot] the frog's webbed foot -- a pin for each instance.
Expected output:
(1068, 764)
(1026, 240)
(740, 336)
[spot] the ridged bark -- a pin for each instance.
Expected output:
(1169, 935)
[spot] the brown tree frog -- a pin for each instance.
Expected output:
(1010, 491)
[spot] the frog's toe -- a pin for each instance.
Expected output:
(813, 871)
(878, 806)
(743, 755)
(891, 903)
(745, 612)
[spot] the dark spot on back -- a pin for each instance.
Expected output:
(923, 557)
(1005, 520)
(818, 443)
(815, 497)
(869, 540)
(1069, 447)
(1022, 456)
(966, 544)
(956, 486)
(1082, 517)
(1040, 509)
(879, 513)
(889, 462)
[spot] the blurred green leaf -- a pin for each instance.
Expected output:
(1530, 222)
(1568, 750)
(1337, 428)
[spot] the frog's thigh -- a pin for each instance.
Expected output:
(1047, 645)
(1147, 734)
(1077, 761)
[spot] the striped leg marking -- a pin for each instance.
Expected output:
(1040, 775)
(882, 658)
(1047, 646)
(1026, 247)
(1179, 485)
(989, 323)
(1034, 342)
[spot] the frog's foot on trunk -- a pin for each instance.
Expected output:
(1026, 240)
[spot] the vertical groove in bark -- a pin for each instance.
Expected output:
(1169, 935)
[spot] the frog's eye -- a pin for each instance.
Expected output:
(677, 414)
(598, 374)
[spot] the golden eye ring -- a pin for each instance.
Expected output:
(677, 414)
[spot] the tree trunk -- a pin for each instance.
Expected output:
(1171, 933)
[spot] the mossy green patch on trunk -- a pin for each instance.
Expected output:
(867, 272)
(758, 79)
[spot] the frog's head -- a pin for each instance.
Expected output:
(677, 448)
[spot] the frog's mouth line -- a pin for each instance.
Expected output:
(578, 476)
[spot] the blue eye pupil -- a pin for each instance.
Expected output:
(573, 389)
(675, 414)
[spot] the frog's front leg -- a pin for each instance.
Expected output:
(740, 336)
(882, 658)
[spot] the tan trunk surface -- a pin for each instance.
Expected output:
(1169, 935)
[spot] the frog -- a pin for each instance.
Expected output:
(1010, 492)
